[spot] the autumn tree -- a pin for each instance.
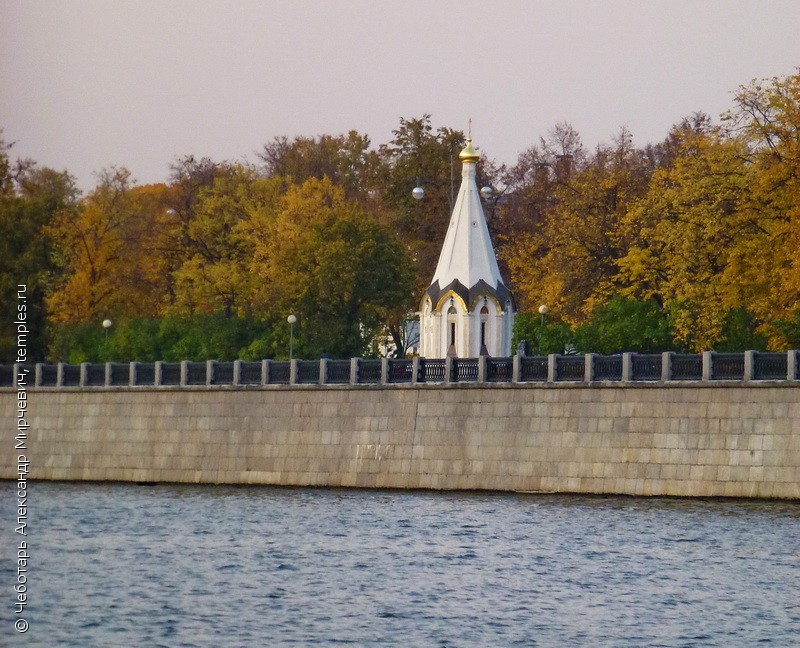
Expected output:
(694, 238)
(569, 262)
(216, 275)
(30, 198)
(343, 274)
(418, 155)
(107, 249)
(348, 161)
(530, 183)
(766, 116)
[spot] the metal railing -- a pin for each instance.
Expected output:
(646, 366)
(686, 367)
(222, 374)
(727, 366)
(48, 376)
(250, 373)
(71, 375)
(571, 368)
(171, 373)
(464, 370)
(607, 368)
(307, 372)
(401, 371)
(338, 372)
(279, 373)
(369, 372)
(627, 367)
(770, 366)
(500, 369)
(119, 374)
(196, 373)
(533, 369)
(95, 375)
(432, 370)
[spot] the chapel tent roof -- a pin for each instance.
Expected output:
(467, 263)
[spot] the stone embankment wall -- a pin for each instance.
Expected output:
(698, 439)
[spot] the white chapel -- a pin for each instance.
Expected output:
(467, 310)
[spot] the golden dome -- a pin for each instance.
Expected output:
(469, 154)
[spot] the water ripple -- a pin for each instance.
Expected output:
(121, 565)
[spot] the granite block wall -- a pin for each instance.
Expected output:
(656, 439)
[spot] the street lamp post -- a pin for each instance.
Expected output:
(107, 323)
(291, 319)
(542, 312)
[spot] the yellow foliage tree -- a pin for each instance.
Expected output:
(767, 117)
(110, 252)
(570, 261)
(216, 277)
(693, 236)
(323, 258)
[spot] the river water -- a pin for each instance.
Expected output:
(126, 565)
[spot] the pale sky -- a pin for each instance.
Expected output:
(86, 84)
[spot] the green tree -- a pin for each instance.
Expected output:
(195, 337)
(30, 199)
(625, 325)
(418, 155)
(739, 333)
(541, 335)
(209, 337)
(343, 274)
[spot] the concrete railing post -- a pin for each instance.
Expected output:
(84, 373)
(158, 369)
(516, 368)
(293, 372)
(708, 365)
(448, 370)
(184, 373)
(627, 366)
(384, 371)
(666, 366)
(414, 370)
(60, 374)
(266, 375)
(749, 365)
(133, 370)
(107, 376)
(791, 365)
(552, 367)
(211, 367)
(37, 375)
(323, 371)
(237, 372)
(354, 371)
(482, 368)
(588, 367)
